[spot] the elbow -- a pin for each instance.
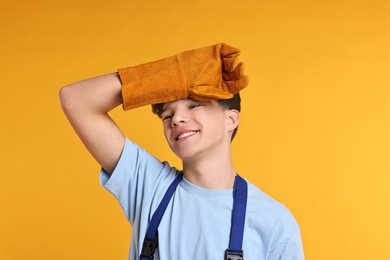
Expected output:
(66, 96)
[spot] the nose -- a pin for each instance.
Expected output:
(180, 117)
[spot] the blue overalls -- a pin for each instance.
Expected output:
(240, 197)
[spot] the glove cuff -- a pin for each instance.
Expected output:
(152, 83)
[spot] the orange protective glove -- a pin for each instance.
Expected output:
(203, 74)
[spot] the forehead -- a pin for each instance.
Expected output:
(171, 104)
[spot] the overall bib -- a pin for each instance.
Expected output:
(240, 197)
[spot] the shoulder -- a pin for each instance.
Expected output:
(137, 159)
(137, 167)
(271, 217)
(260, 201)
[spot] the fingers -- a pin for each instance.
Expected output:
(230, 64)
(229, 56)
(227, 50)
(233, 70)
(234, 86)
(235, 74)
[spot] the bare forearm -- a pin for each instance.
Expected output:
(97, 95)
(86, 104)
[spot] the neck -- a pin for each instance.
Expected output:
(212, 173)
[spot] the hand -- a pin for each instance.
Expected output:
(204, 74)
(213, 72)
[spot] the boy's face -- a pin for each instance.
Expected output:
(196, 129)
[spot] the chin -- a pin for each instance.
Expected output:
(191, 156)
(185, 155)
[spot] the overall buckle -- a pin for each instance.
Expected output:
(233, 255)
(148, 248)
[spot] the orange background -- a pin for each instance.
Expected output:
(315, 121)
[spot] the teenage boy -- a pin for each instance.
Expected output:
(205, 211)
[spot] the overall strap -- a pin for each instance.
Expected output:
(150, 242)
(240, 197)
(234, 252)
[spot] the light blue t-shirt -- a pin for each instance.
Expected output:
(196, 223)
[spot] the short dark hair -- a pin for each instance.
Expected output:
(228, 104)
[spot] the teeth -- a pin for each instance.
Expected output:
(186, 134)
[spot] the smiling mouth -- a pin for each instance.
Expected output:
(186, 134)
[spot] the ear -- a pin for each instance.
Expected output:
(233, 119)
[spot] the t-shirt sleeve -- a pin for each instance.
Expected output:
(290, 249)
(287, 244)
(134, 179)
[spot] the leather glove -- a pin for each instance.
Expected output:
(204, 74)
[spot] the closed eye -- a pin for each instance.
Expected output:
(166, 117)
(195, 106)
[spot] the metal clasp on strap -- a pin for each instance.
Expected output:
(148, 248)
(232, 255)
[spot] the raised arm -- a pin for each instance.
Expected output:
(203, 74)
(86, 104)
